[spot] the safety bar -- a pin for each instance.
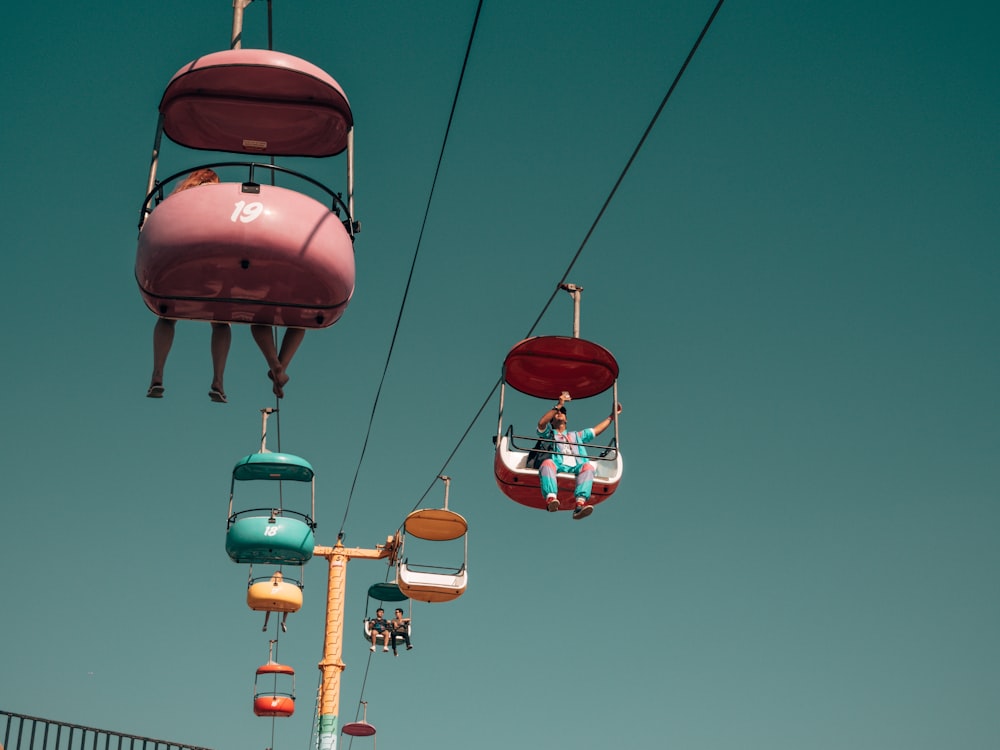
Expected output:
(608, 452)
(251, 186)
(274, 513)
(419, 568)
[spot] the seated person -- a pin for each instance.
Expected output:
(163, 331)
(400, 628)
(380, 627)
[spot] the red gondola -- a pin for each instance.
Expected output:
(274, 688)
(544, 367)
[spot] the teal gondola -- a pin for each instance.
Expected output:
(275, 534)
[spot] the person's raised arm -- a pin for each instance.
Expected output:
(603, 425)
(547, 416)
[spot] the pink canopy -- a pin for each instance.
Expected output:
(256, 101)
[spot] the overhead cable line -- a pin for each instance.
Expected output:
(406, 291)
(413, 264)
(628, 166)
(590, 232)
(562, 280)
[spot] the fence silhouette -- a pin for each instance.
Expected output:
(22, 732)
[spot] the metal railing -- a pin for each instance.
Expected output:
(21, 732)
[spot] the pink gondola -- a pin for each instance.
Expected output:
(269, 256)
(245, 252)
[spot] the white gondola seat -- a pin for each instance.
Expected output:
(522, 483)
(430, 586)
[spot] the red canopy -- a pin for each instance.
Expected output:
(545, 366)
(358, 729)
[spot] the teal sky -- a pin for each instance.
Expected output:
(798, 277)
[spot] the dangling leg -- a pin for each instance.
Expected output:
(264, 336)
(222, 337)
(267, 616)
(584, 483)
(550, 489)
(290, 343)
(163, 339)
(284, 621)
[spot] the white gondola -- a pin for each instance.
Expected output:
(432, 583)
(608, 467)
(382, 593)
(397, 637)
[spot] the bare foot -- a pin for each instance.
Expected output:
(280, 380)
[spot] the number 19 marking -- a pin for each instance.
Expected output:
(247, 212)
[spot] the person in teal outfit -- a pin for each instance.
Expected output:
(570, 457)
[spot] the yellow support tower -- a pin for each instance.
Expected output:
(333, 640)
